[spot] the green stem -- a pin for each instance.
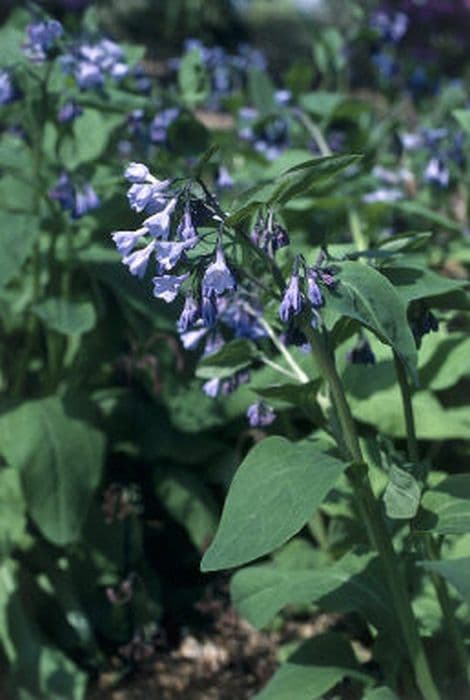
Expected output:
(430, 545)
(378, 533)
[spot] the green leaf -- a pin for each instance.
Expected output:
(463, 118)
(422, 212)
(455, 571)
(290, 184)
(354, 583)
(37, 670)
(232, 357)
(381, 693)
(413, 283)
(321, 103)
(402, 494)
(191, 504)
(193, 80)
(313, 669)
(18, 232)
(296, 394)
(261, 91)
(12, 510)
(273, 494)
(91, 134)
(367, 296)
(60, 458)
(68, 317)
(446, 507)
(187, 136)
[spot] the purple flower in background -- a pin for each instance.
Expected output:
(224, 179)
(217, 278)
(90, 63)
(292, 301)
(41, 38)
(390, 27)
(167, 287)
(136, 173)
(259, 414)
(189, 314)
(159, 224)
(436, 173)
(77, 201)
(126, 240)
(137, 262)
(86, 200)
(7, 91)
(361, 353)
(161, 122)
(386, 65)
(69, 111)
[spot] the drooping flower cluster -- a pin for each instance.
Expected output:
(226, 72)
(268, 136)
(304, 287)
(41, 39)
(390, 27)
(268, 235)
(76, 199)
(425, 322)
(90, 62)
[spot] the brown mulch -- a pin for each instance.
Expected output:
(231, 661)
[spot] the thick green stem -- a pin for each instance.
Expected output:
(376, 526)
(430, 546)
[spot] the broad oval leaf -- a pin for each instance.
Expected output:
(18, 234)
(231, 358)
(413, 283)
(273, 494)
(367, 296)
(352, 584)
(313, 669)
(446, 507)
(67, 317)
(60, 458)
(455, 571)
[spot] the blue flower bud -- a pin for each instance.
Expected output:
(314, 292)
(168, 253)
(137, 262)
(217, 278)
(292, 301)
(260, 414)
(189, 314)
(136, 172)
(159, 224)
(186, 229)
(126, 240)
(167, 287)
(208, 310)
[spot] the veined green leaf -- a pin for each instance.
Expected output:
(273, 494)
